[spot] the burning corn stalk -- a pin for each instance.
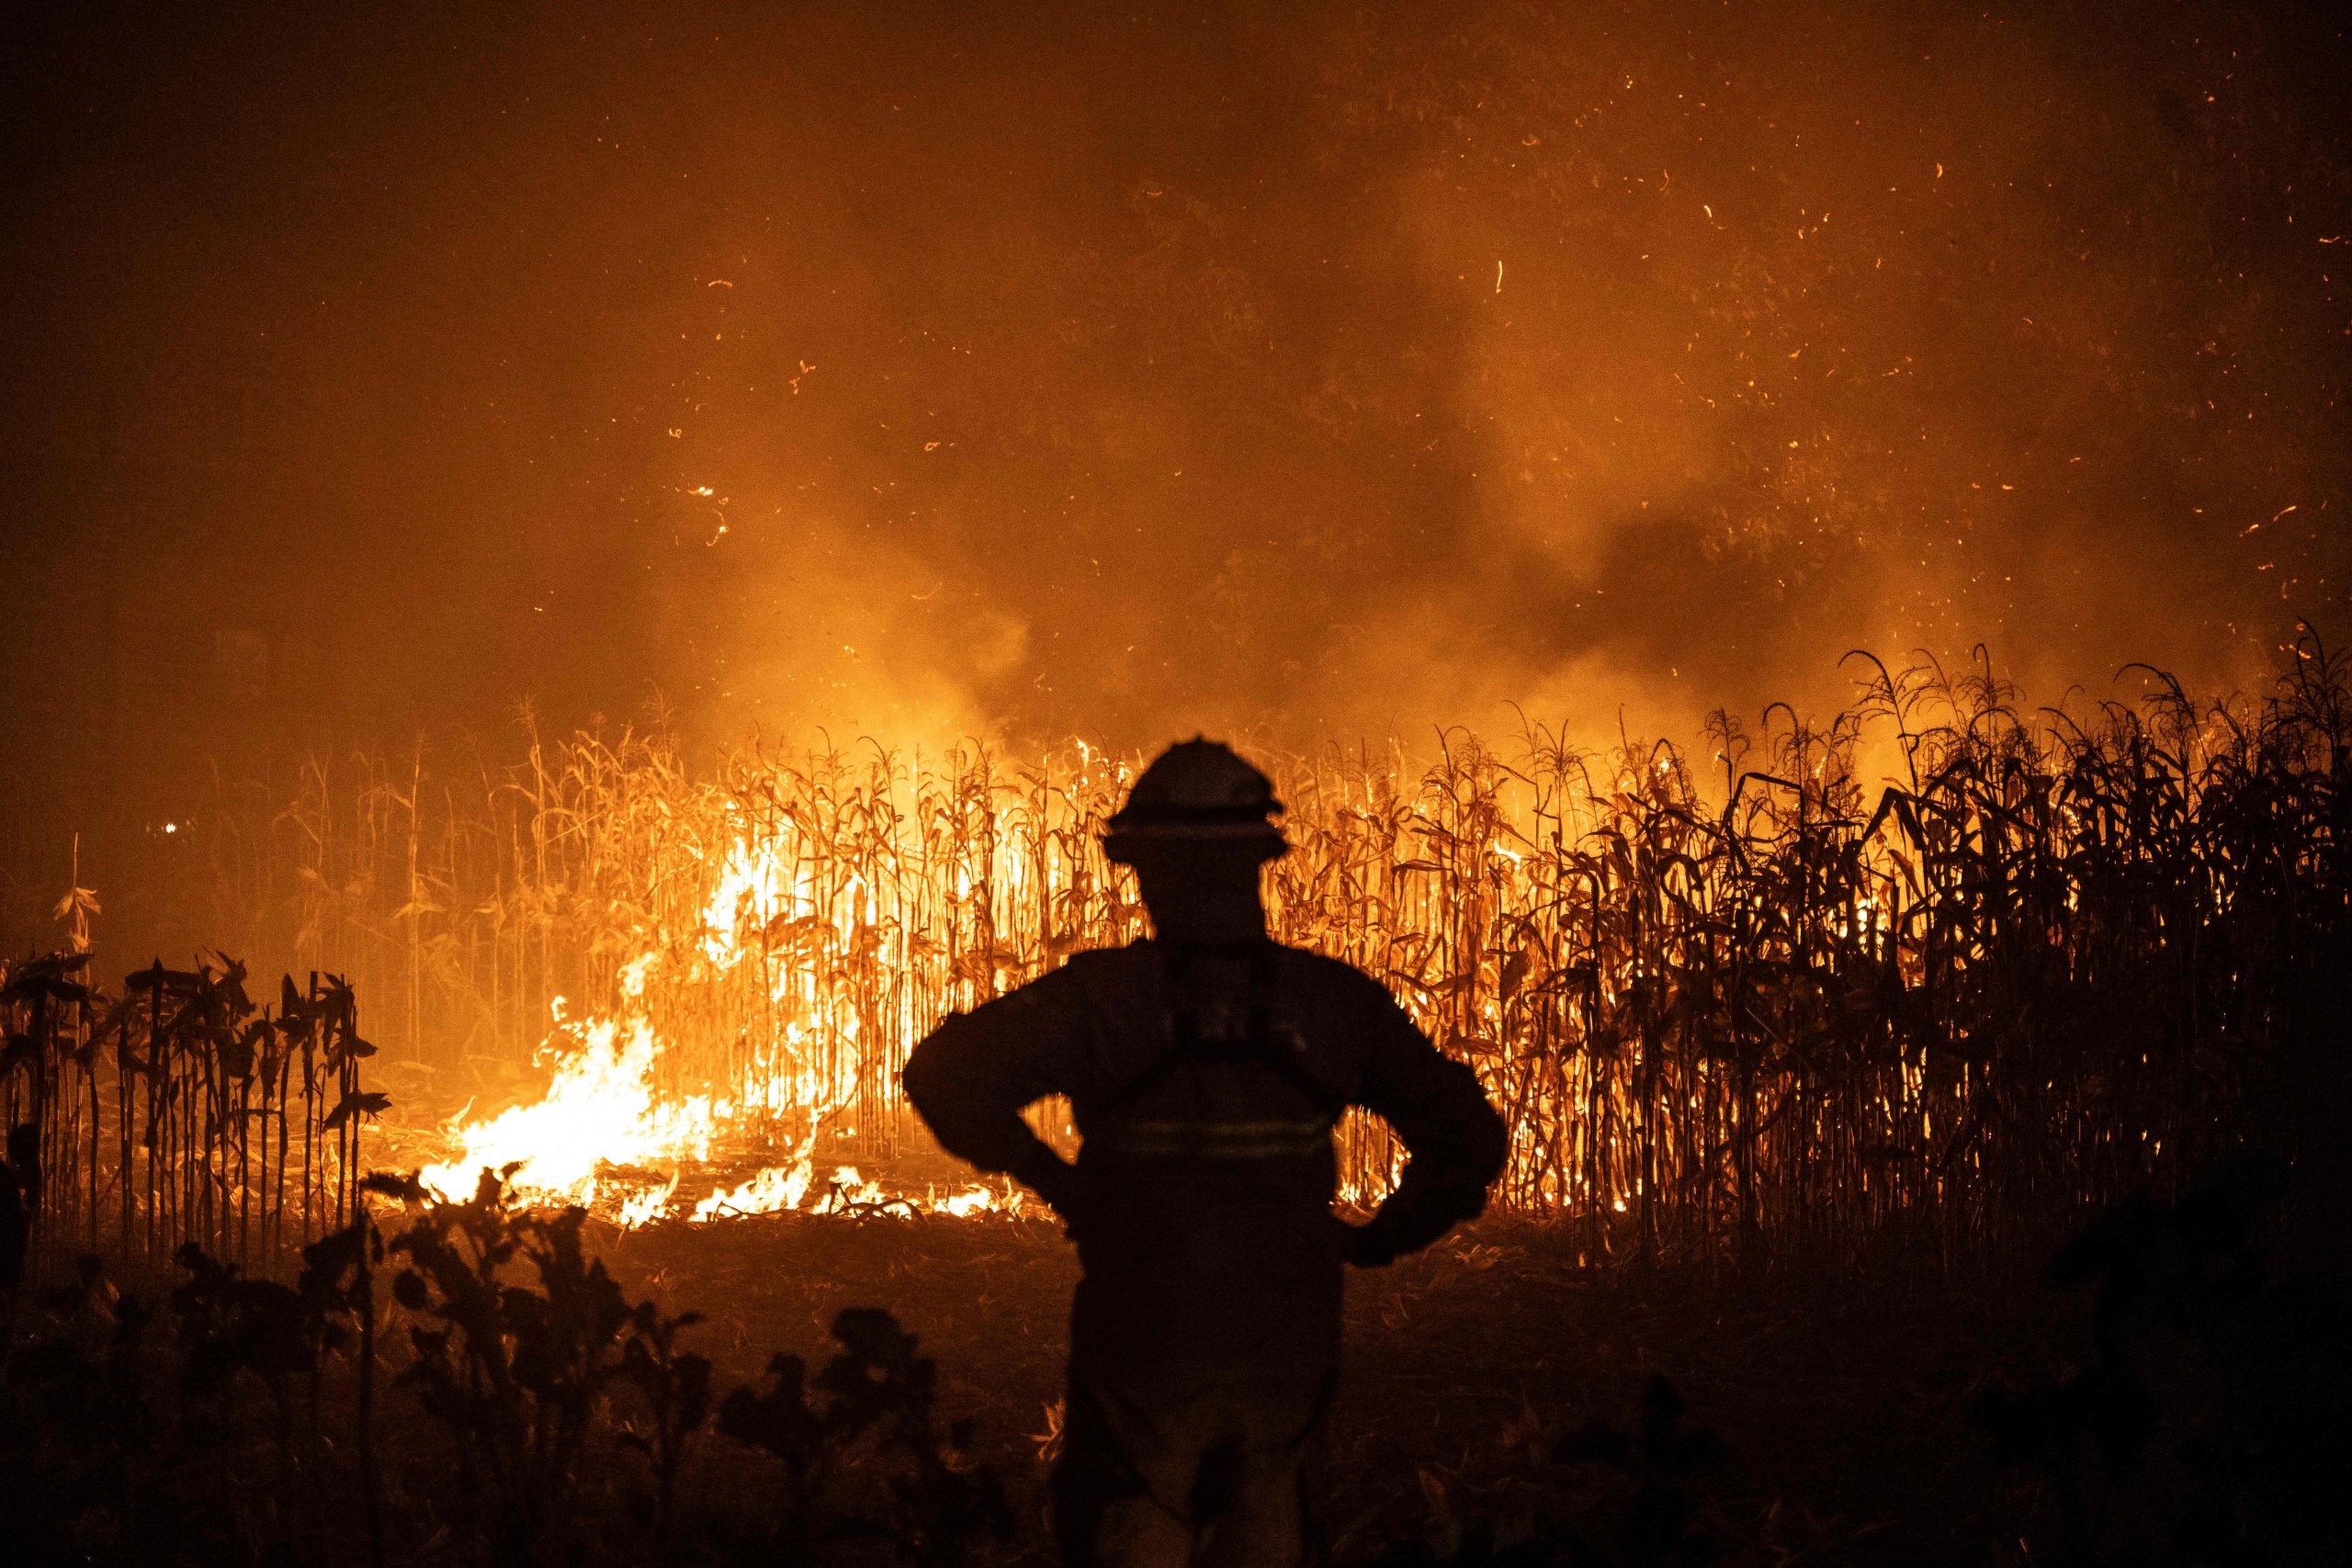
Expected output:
(1738, 1002)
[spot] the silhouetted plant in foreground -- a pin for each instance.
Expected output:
(876, 1389)
(524, 1343)
(230, 1420)
(1656, 1516)
(337, 1287)
(235, 1332)
(2211, 1420)
(674, 1390)
(550, 1418)
(210, 1443)
(107, 1444)
(516, 1371)
(80, 1428)
(1651, 1513)
(180, 1112)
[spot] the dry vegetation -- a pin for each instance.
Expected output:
(1801, 1030)
(1740, 1002)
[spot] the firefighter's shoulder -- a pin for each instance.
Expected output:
(1335, 982)
(1095, 975)
(1095, 966)
(1121, 955)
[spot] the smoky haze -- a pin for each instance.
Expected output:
(1023, 371)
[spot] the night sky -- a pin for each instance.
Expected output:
(1023, 371)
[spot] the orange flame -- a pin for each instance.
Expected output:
(605, 1136)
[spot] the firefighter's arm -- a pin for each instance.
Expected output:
(1455, 1142)
(970, 1077)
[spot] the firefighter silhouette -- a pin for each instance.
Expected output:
(1206, 1069)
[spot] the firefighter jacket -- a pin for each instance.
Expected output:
(1204, 1084)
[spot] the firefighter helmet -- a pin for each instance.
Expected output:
(1197, 792)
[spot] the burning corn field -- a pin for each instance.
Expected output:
(1734, 1002)
(613, 949)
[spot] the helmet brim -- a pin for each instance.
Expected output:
(1124, 841)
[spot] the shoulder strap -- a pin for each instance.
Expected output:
(1257, 1044)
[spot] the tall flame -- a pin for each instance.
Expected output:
(600, 1109)
(605, 1134)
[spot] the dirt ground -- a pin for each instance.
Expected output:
(1846, 1410)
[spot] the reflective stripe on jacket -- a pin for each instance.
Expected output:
(1204, 1083)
